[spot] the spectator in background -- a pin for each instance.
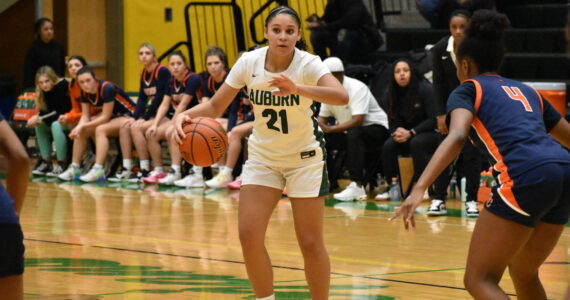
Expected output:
(444, 82)
(438, 12)
(217, 65)
(44, 51)
(362, 123)
(70, 119)
(411, 114)
(346, 29)
(183, 92)
(114, 109)
(153, 85)
(52, 100)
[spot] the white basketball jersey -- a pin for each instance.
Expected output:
(285, 133)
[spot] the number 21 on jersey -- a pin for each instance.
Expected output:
(273, 117)
(515, 93)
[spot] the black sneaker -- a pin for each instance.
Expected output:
(120, 175)
(437, 208)
(471, 209)
(136, 178)
(43, 168)
(57, 170)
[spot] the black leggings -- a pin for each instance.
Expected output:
(364, 140)
(420, 147)
(470, 161)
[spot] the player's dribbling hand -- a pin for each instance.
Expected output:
(285, 86)
(406, 210)
(178, 133)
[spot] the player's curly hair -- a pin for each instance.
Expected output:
(483, 41)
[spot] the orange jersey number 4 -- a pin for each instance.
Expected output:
(516, 94)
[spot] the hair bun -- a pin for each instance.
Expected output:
(487, 25)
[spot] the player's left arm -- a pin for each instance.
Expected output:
(561, 132)
(328, 89)
(555, 124)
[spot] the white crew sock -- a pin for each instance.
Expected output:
(227, 170)
(145, 164)
(128, 164)
(197, 170)
(98, 167)
(176, 169)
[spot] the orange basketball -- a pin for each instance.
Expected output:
(205, 142)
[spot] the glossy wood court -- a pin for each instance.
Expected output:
(126, 242)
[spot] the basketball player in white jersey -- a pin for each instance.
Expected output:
(286, 148)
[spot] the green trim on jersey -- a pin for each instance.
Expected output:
(320, 137)
(324, 190)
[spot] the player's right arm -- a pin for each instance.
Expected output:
(211, 109)
(18, 165)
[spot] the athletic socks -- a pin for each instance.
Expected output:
(128, 164)
(176, 168)
(197, 170)
(145, 164)
(226, 169)
(271, 297)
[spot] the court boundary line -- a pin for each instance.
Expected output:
(241, 262)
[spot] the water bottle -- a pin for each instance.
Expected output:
(394, 190)
(453, 187)
(379, 180)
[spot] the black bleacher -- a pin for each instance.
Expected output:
(544, 40)
(535, 43)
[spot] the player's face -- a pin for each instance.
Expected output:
(176, 66)
(46, 32)
(402, 74)
(282, 32)
(214, 65)
(457, 26)
(87, 83)
(73, 66)
(146, 57)
(45, 83)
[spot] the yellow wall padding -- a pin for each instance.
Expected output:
(144, 21)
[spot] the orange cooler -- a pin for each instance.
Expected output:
(555, 92)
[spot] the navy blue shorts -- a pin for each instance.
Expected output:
(541, 195)
(11, 250)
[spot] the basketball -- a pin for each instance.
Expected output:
(205, 142)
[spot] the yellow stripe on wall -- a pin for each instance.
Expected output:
(214, 25)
